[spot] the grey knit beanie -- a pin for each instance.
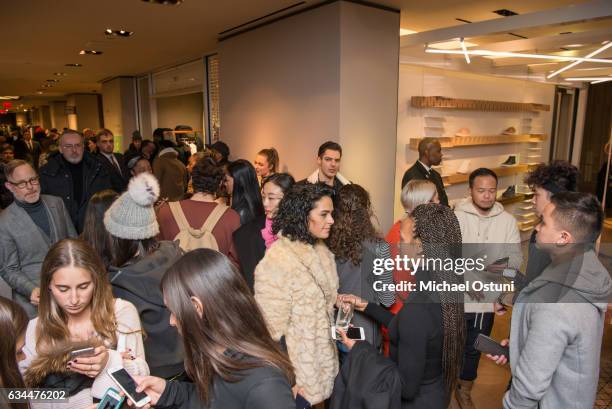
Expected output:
(132, 215)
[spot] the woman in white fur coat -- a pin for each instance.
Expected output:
(296, 285)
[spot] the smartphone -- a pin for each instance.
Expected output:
(490, 346)
(502, 260)
(89, 351)
(127, 384)
(355, 333)
(111, 400)
(302, 403)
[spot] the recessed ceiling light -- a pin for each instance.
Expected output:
(573, 45)
(90, 52)
(73, 65)
(117, 33)
(505, 12)
(60, 74)
(53, 80)
(8, 97)
(39, 92)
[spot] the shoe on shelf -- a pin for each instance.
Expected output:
(464, 168)
(509, 131)
(463, 132)
(510, 192)
(511, 161)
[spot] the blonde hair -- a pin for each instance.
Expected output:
(52, 328)
(417, 192)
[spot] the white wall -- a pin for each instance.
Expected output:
(87, 111)
(326, 74)
(412, 122)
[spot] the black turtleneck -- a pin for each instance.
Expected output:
(76, 172)
(38, 213)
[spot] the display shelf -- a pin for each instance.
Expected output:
(526, 226)
(519, 197)
(461, 141)
(476, 104)
(457, 178)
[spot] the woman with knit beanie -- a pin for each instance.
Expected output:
(138, 263)
(427, 336)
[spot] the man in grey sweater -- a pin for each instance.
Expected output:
(558, 319)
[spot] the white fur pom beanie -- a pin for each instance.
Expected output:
(132, 216)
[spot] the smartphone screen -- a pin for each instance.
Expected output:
(354, 333)
(128, 384)
(109, 402)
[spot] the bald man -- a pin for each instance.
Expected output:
(430, 154)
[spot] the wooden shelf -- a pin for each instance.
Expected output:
(460, 141)
(519, 197)
(476, 104)
(457, 178)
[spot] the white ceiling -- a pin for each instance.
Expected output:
(45, 35)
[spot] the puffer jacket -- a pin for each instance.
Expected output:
(296, 285)
(491, 237)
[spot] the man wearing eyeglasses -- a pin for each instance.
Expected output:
(74, 175)
(28, 228)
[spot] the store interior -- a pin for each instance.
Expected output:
(504, 84)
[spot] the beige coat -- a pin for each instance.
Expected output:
(296, 285)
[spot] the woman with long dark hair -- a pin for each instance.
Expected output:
(94, 232)
(356, 244)
(296, 285)
(229, 355)
(242, 184)
(13, 324)
(252, 239)
(77, 310)
(428, 359)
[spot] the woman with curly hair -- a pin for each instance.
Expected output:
(296, 285)
(356, 244)
(428, 335)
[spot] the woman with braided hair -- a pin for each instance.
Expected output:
(427, 336)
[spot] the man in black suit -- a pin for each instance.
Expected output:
(27, 149)
(120, 174)
(430, 154)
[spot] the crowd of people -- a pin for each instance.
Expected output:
(216, 283)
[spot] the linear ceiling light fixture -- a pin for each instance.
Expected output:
(600, 81)
(589, 79)
(465, 53)
(518, 55)
(575, 63)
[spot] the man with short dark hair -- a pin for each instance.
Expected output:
(120, 174)
(329, 156)
(558, 319)
(430, 154)
(28, 228)
(490, 233)
(74, 175)
(27, 149)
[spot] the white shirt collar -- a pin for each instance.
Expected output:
(427, 168)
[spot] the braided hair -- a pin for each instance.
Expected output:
(438, 229)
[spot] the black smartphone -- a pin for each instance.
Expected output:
(502, 260)
(302, 403)
(490, 346)
(127, 384)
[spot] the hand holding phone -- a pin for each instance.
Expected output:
(491, 347)
(111, 400)
(128, 385)
(89, 351)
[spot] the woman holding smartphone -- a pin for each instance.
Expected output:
(77, 310)
(229, 355)
(426, 337)
(13, 323)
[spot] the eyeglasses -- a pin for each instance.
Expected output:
(75, 147)
(35, 181)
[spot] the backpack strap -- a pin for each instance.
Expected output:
(179, 216)
(213, 217)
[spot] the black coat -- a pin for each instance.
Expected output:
(251, 247)
(418, 172)
(367, 380)
(118, 180)
(56, 180)
(23, 152)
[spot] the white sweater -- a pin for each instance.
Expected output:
(128, 326)
(493, 236)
